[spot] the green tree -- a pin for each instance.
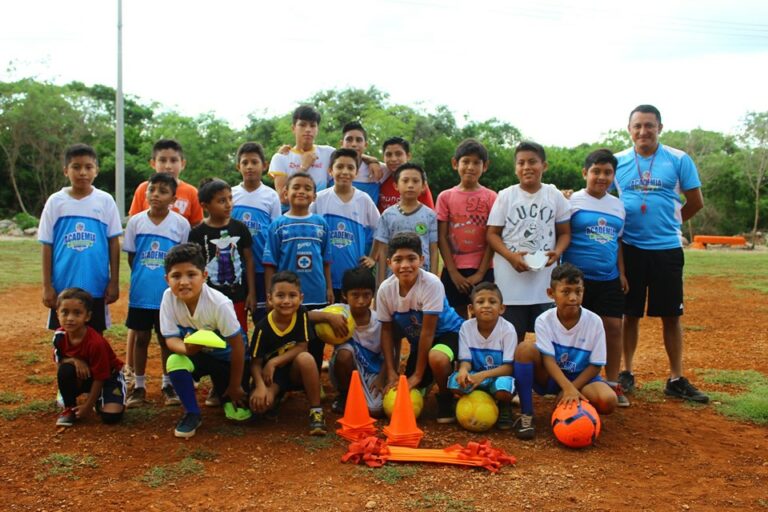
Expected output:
(754, 137)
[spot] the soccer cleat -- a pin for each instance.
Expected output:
(524, 428)
(187, 425)
(627, 382)
(446, 408)
(681, 388)
(339, 404)
(317, 423)
(212, 400)
(136, 398)
(67, 418)
(621, 398)
(505, 421)
(129, 376)
(169, 396)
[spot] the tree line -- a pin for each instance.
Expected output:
(38, 119)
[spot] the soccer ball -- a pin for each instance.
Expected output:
(576, 426)
(477, 411)
(389, 402)
(324, 330)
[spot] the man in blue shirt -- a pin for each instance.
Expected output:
(650, 178)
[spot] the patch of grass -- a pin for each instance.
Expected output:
(117, 331)
(741, 378)
(751, 404)
(651, 391)
(62, 464)
(746, 270)
(9, 397)
(229, 431)
(314, 444)
(158, 476)
(40, 379)
(28, 358)
(140, 415)
(33, 407)
(694, 328)
(441, 501)
(391, 473)
(200, 454)
(21, 263)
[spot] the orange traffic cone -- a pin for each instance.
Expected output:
(402, 429)
(356, 420)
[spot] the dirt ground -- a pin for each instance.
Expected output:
(656, 455)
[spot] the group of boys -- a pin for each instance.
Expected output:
(283, 254)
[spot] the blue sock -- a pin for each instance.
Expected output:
(524, 385)
(185, 388)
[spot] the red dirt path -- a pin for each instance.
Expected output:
(656, 455)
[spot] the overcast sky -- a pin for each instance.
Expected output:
(562, 72)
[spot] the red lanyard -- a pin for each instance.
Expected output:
(646, 183)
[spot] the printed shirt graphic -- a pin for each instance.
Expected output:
(576, 348)
(286, 165)
(214, 312)
(422, 221)
(78, 231)
(427, 297)
(528, 222)
(223, 248)
(487, 353)
(350, 228)
(269, 341)
(186, 203)
(93, 349)
(301, 244)
(149, 243)
(363, 182)
(596, 227)
(466, 213)
(659, 188)
(366, 344)
(256, 210)
(389, 196)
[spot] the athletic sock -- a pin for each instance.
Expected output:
(166, 381)
(141, 381)
(524, 385)
(185, 388)
(612, 383)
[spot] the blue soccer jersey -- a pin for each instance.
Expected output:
(426, 297)
(149, 243)
(257, 210)
(596, 227)
(79, 231)
(301, 244)
(363, 181)
(351, 225)
(573, 349)
(650, 189)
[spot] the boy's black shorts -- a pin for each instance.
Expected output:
(140, 319)
(604, 298)
(98, 319)
(458, 300)
(523, 317)
(657, 275)
(449, 339)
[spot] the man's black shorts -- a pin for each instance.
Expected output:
(657, 275)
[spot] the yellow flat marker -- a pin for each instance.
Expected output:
(206, 339)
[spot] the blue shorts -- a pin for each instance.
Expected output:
(491, 384)
(552, 388)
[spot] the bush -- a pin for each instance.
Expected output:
(25, 221)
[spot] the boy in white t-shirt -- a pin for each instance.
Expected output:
(530, 218)
(566, 357)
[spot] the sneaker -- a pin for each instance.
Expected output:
(446, 409)
(169, 396)
(136, 398)
(621, 398)
(627, 382)
(505, 421)
(129, 377)
(339, 404)
(317, 423)
(60, 400)
(681, 388)
(212, 400)
(524, 428)
(67, 418)
(187, 425)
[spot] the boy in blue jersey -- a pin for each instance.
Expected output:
(567, 355)
(190, 305)
(79, 231)
(369, 170)
(363, 351)
(411, 303)
(256, 206)
(351, 216)
(597, 223)
(299, 241)
(487, 346)
(149, 236)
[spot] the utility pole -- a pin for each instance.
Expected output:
(119, 119)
